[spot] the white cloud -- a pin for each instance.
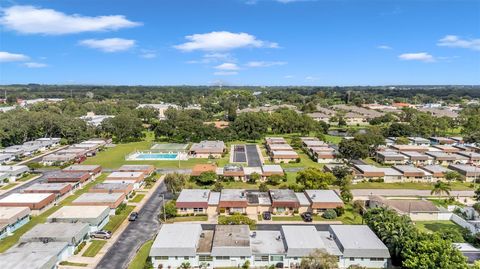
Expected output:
(12, 57)
(222, 41)
(32, 20)
(227, 66)
(384, 47)
(35, 65)
(109, 44)
(214, 57)
(454, 41)
(311, 78)
(264, 64)
(419, 56)
(225, 73)
(288, 76)
(148, 54)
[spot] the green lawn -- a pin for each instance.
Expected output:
(349, 217)
(435, 226)
(8, 186)
(333, 139)
(461, 186)
(138, 198)
(116, 221)
(9, 241)
(94, 248)
(141, 257)
(27, 177)
(187, 218)
(78, 264)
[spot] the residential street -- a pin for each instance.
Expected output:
(136, 233)
(18, 189)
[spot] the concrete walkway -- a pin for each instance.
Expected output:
(362, 193)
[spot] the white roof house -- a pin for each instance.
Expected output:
(359, 241)
(179, 239)
(301, 240)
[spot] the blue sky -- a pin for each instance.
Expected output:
(240, 42)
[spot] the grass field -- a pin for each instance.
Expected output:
(460, 186)
(116, 221)
(435, 226)
(9, 241)
(333, 139)
(78, 264)
(8, 186)
(141, 257)
(94, 248)
(27, 177)
(138, 198)
(187, 218)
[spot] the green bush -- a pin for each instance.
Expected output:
(329, 214)
(80, 247)
(339, 210)
(237, 219)
(120, 208)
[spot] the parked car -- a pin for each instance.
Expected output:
(267, 215)
(307, 217)
(133, 216)
(101, 234)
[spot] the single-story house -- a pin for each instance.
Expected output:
(411, 173)
(233, 201)
(474, 157)
(12, 218)
(14, 172)
(443, 158)
(34, 201)
(146, 169)
(6, 158)
(76, 178)
(59, 189)
(469, 251)
(112, 200)
(93, 170)
(35, 255)
(418, 158)
(321, 200)
(419, 141)
(284, 201)
(284, 156)
(441, 140)
(72, 233)
(235, 171)
(390, 157)
(447, 148)
(95, 216)
(272, 169)
(279, 147)
(303, 201)
(417, 210)
(469, 172)
(135, 178)
(193, 201)
(125, 188)
(417, 148)
(437, 171)
(56, 158)
(258, 202)
(275, 140)
(207, 149)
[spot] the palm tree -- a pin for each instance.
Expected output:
(441, 187)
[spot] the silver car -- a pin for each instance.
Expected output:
(101, 234)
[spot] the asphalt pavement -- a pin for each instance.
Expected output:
(252, 156)
(136, 233)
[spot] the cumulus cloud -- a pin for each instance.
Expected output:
(384, 47)
(225, 73)
(109, 44)
(222, 41)
(35, 65)
(227, 67)
(32, 20)
(12, 57)
(454, 41)
(419, 56)
(264, 64)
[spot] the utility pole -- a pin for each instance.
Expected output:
(164, 215)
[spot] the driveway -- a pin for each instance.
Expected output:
(136, 233)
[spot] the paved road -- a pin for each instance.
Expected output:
(273, 227)
(136, 233)
(405, 192)
(28, 184)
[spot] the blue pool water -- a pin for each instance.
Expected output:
(156, 156)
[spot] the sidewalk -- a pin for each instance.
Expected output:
(93, 261)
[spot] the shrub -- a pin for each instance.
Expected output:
(263, 187)
(329, 214)
(80, 247)
(275, 180)
(120, 208)
(339, 210)
(237, 219)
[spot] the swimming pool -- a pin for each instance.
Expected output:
(155, 156)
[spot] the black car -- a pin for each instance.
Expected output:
(133, 216)
(267, 215)
(307, 217)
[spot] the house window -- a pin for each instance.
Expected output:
(222, 258)
(276, 258)
(377, 259)
(163, 258)
(280, 209)
(183, 209)
(186, 258)
(352, 259)
(197, 210)
(205, 258)
(261, 258)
